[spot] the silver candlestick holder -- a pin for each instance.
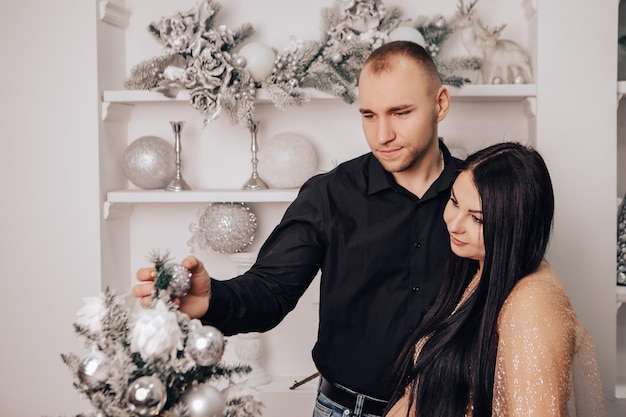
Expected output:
(254, 182)
(178, 183)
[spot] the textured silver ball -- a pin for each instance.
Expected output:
(180, 283)
(287, 160)
(204, 400)
(496, 80)
(205, 345)
(150, 162)
(518, 80)
(94, 370)
(228, 227)
(146, 396)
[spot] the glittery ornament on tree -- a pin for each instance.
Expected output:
(225, 228)
(621, 243)
(287, 160)
(146, 396)
(205, 344)
(149, 162)
(180, 281)
(204, 400)
(170, 276)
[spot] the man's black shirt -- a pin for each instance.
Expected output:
(382, 253)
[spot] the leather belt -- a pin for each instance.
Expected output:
(350, 399)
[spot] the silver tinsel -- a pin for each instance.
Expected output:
(225, 228)
(621, 244)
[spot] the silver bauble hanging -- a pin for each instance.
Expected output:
(150, 162)
(180, 281)
(205, 345)
(94, 370)
(146, 396)
(228, 227)
(204, 400)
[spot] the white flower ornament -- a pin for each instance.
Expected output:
(156, 333)
(91, 313)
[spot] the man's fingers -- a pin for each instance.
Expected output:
(145, 301)
(143, 290)
(145, 274)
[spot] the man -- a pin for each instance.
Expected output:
(374, 228)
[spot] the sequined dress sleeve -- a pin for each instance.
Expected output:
(546, 363)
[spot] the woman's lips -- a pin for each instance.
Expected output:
(456, 241)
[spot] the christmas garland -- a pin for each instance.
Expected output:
(209, 60)
(156, 361)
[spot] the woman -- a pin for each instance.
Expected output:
(502, 338)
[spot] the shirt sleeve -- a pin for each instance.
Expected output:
(287, 263)
(537, 342)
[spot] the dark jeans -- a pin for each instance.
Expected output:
(324, 407)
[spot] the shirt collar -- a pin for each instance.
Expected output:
(380, 179)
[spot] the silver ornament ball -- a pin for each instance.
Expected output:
(518, 80)
(180, 281)
(150, 162)
(204, 400)
(228, 227)
(146, 396)
(496, 80)
(94, 370)
(205, 345)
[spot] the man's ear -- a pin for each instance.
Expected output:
(443, 103)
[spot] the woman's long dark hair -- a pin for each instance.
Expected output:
(456, 366)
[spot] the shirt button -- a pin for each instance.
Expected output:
(417, 245)
(415, 289)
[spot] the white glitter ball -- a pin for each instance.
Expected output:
(150, 162)
(286, 160)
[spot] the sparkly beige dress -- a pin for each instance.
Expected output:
(546, 363)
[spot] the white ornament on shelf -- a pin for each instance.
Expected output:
(407, 33)
(287, 160)
(259, 59)
(149, 162)
(249, 346)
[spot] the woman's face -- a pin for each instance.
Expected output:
(464, 217)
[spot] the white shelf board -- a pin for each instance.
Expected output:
(469, 92)
(202, 196)
(120, 203)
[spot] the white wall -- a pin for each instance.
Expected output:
(49, 216)
(49, 162)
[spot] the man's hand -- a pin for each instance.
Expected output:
(195, 304)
